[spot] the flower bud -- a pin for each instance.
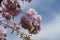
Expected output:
(14, 26)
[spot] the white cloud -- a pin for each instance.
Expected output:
(49, 31)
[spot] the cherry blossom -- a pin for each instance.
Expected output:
(31, 20)
(14, 26)
(13, 8)
(31, 12)
(7, 15)
(25, 22)
(3, 34)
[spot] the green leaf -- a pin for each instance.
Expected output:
(32, 28)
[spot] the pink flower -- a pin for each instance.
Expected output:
(37, 18)
(36, 24)
(31, 12)
(29, 25)
(25, 22)
(4, 2)
(10, 6)
(3, 34)
(17, 27)
(16, 12)
(13, 8)
(3, 30)
(37, 28)
(6, 15)
(14, 26)
(31, 21)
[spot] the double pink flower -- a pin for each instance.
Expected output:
(10, 9)
(31, 21)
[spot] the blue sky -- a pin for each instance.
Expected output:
(50, 25)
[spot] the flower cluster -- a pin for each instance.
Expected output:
(31, 21)
(11, 9)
